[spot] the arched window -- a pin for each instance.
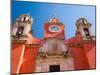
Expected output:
(20, 31)
(86, 32)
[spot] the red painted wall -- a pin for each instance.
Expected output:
(80, 60)
(90, 51)
(29, 61)
(85, 56)
(16, 52)
(28, 64)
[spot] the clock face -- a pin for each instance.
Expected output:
(54, 28)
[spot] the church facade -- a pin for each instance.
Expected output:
(53, 53)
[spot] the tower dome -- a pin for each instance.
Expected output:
(25, 18)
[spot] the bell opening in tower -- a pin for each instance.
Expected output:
(54, 68)
(20, 31)
(86, 32)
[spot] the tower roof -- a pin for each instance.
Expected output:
(82, 21)
(25, 18)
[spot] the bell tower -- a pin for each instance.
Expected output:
(83, 28)
(22, 27)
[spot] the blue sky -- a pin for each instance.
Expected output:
(42, 12)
